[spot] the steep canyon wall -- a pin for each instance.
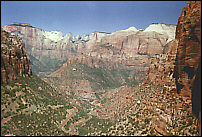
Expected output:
(179, 70)
(14, 60)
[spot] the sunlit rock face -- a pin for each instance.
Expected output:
(166, 29)
(124, 49)
(39, 42)
(47, 48)
(149, 41)
(14, 60)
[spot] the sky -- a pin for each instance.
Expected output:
(85, 17)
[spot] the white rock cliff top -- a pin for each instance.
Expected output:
(163, 29)
(53, 35)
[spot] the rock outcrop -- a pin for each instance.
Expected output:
(179, 69)
(124, 51)
(132, 41)
(14, 60)
(188, 37)
(161, 69)
(166, 29)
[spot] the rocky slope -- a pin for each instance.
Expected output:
(178, 69)
(146, 110)
(29, 106)
(14, 60)
(161, 70)
(84, 81)
(86, 100)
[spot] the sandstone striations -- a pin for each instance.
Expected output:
(14, 60)
(125, 49)
(39, 42)
(122, 55)
(131, 41)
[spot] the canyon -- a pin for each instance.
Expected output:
(129, 82)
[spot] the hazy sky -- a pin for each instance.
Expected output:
(85, 17)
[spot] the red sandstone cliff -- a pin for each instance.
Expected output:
(178, 70)
(188, 37)
(179, 65)
(188, 58)
(14, 60)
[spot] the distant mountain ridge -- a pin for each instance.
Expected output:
(52, 47)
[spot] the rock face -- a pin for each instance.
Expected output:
(196, 96)
(132, 41)
(166, 29)
(39, 42)
(125, 48)
(124, 51)
(110, 60)
(188, 58)
(179, 69)
(188, 37)
(183, 56)
(14, 60)
(46, 48)
(161, 70)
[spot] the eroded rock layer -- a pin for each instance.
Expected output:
(161, 70)
(14, 60)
